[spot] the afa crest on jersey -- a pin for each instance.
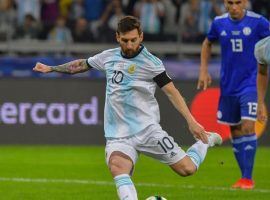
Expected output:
(132, 68)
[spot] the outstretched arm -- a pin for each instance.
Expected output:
(179, 103)
(262, 83)
(73, 67)
(204, 77)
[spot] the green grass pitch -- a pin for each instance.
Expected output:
(80, 172)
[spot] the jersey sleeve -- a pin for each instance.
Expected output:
(259, 52)
(155, 66)
(159, 74)
(97, 61)
(162, 79)
(264, 28)
(213, 32)
(262, 52)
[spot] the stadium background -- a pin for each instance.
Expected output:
(51, 125)
(62, 109)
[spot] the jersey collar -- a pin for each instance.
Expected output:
(127, 57)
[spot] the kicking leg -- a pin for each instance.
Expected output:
(195, 156)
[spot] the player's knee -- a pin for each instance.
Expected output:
(115, 166)
(247, 128)
(189, 170)
(185, 169)
(118, 165)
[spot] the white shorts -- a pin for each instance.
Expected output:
(152, 141)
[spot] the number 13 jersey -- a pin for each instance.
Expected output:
(237, 39)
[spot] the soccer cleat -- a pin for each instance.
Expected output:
(247, 184)
(238, 183)
(244, 183)
(214, 139)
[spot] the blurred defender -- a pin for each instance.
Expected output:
(131, 111)
(262, 54)
(237, 32)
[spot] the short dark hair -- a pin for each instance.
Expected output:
(128, 23)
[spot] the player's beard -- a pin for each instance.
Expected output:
(130, 52)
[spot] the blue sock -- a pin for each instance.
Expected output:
(239, 153)
(250, 147)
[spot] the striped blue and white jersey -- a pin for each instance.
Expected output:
(130, 104)
(262, 51)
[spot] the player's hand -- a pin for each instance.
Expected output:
(42, 68)
(198, 132)
(204, 81)
(262, 112)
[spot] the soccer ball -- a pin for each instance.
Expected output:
(156, 198)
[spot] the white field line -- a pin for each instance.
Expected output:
(90, 182)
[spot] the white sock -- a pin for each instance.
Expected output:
(197, 152)
(125, 187)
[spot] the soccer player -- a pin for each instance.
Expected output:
(237, 31)
(131, 111)
(262, 54)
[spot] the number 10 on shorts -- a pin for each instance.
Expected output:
(166, 144)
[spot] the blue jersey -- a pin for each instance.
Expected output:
(237, 39)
